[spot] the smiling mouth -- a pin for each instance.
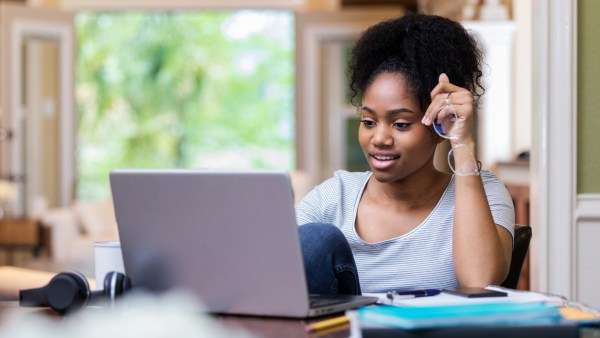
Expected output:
(385, 157)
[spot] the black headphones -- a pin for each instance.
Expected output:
(69, 291)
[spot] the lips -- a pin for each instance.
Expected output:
(383, 161)
(385, 157)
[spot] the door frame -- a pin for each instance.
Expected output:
(19, 23)
(554, 147)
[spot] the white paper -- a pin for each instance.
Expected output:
(448, 299)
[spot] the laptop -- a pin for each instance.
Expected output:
(229, 237)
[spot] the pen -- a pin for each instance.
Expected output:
(328, 323)
(417, 293)
(402, 294)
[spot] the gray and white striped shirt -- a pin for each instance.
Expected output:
(421, 258)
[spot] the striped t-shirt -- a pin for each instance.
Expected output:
(421, 258)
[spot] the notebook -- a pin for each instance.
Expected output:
(230, 237)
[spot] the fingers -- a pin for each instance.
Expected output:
(452, 109)
(448, 100)
(446, 111)
(443, 86)
(457, 104)
(443, 78)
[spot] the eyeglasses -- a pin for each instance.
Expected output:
(445, 128)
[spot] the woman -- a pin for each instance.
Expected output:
(404, 224)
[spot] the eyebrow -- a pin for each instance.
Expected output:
(389, 112)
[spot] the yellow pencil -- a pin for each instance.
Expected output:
(328, 323)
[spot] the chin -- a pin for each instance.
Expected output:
(384, 176)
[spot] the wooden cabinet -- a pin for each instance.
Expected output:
(20, 233)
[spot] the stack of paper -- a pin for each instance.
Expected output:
(514, 296)
(426, 317)
(519, 314)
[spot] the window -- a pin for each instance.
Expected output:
(209, 89)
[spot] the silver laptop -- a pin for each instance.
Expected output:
(229, 237)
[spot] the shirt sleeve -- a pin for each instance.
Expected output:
(501, 204)
(307, 210)
(332, 200)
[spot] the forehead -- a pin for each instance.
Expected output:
(391, 88)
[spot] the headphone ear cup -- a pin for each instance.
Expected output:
(115, 284)
(67, 291)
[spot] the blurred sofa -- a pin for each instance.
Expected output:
(73, 230)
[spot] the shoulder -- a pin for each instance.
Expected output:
(490, 179)
(489, 176)
(348, 181)
(350, 177)
(342, 183)
(324, 202)
(499, 199)
(342, 177)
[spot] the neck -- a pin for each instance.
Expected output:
(413, 192)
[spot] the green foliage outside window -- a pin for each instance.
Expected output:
(183, 90)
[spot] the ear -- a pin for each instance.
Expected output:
(435, 138)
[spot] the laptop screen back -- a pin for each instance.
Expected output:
(229, 237)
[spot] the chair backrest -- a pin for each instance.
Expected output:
(521, 245)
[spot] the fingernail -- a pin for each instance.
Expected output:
(426, 120)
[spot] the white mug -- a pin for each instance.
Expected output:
(107, 258)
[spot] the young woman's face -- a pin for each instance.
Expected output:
(391, 135)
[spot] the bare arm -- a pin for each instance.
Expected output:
(481, 249)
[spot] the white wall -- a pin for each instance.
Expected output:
(522, 89)
(495, 114)
(587, 250)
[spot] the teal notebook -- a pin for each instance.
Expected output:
(411, 317)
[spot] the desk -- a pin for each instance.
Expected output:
(277, 327)
(262, 327)
(259, 326)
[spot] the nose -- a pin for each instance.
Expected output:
(382, 136)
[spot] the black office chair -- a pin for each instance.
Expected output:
(521, 245)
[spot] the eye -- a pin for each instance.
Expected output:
(401, 125)
(367, 123)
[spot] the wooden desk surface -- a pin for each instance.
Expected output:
(259, 326)
(276, 327)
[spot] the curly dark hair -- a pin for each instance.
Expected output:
(420, 47)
